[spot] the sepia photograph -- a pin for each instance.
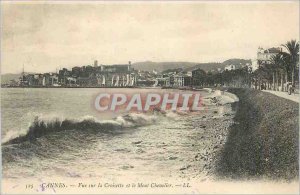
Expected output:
(149, 97)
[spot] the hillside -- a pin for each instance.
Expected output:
(207, 66)
(238, 62)
(5, 78)
(162, 66)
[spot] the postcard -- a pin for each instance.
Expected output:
(149, 97)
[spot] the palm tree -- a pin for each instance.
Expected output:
(279, 66)
(275, 61)
(284, 66)
(262, 76)
(292, 48)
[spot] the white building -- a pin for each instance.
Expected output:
(264, 56)
(229, 67)
(254, 65)
(181, 80)
(154, 72)
(189, 73)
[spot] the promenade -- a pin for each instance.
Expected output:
(293, 97)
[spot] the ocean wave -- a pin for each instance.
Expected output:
(44, 125)
(219, 98)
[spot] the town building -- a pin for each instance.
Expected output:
(181, 80)
(230, 67)
(96, 63)
(189, 73)
(264, 56)
(118, 75)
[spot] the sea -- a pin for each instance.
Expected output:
(57, 132)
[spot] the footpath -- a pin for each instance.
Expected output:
(293, 97)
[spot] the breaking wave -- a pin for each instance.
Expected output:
(43, 126)
(219, 97)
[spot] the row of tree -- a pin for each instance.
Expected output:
(234, 78)
(283, 68)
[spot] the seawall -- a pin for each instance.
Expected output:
(263, 142)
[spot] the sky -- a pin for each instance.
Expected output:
(48, 36)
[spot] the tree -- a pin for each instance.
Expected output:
(263, 75)
(199, 77)
(284, 68)
(292, 48)
(276, 64)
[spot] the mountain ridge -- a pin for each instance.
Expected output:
(188, 66)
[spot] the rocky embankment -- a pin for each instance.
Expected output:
(263, 141)
(209, 136)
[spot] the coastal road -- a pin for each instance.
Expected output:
(293, 97)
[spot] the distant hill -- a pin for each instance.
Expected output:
(187, 66)
(207, 66)
(161, 66)
(5, 78)
(238, 62)
(172, 70)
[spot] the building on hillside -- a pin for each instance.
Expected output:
(30, 79)
(189, 73)
(181, 80)
(76, 71)
(95, 63)
(264, 56)
(168, 79)
(23, 80)
(46, 79)
(154, 71)
(120, 68)
(230, 67)
(53, 79)
(118, 75)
